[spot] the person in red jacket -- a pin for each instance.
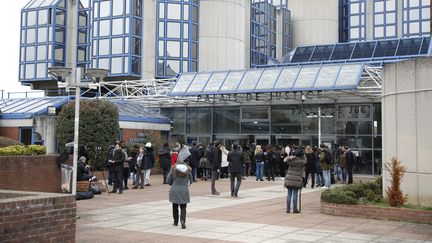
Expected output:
(174, 154)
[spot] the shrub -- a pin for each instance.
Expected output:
(339, 196)
(22, 150)
(395, 198)
(98, 128)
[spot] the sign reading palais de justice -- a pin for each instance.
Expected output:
(259, 96)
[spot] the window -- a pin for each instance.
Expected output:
(416, 18)
(385, 16)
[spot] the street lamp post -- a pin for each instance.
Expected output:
(319, 116)
(63, 72)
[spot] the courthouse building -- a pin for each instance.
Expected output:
(248, 71)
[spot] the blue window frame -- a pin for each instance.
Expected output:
(177, 28)
(84, 27)
(416, 18)
(263, 32)
(117, 37)
(42, 39)
(286, 31)
(26, 135)
(385, 19)
(357, 20)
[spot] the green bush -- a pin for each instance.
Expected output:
(23, 150)
(339, 196)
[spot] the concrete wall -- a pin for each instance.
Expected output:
(223, 38)
(407, 134)
(46, 126)
(148, 60)
(314, 22)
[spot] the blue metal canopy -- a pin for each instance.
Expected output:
(368, 51)
(345, 76)
(25, 108)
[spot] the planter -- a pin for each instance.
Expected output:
(374, 212)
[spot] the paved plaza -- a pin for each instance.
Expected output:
(257, 215)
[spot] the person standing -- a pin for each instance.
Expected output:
(140, 165)
(247, 161)
(164, 154)
(126, 171)
(180, 177)
(118, 160)
(259, 158)
(349, 158)
(235, 166)
(149, 163)
(310, 165)
(325, 158)
(193, 161)
(294, 178)
(132, 164)
(214, 156)
(224, 164)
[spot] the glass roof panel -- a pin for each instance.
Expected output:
(287, 77)
(307, 77)
(268, 79)
(199, 82)
(250, 79)
(215, 82)
(322, 53)
(409, 47)
(364, 50)
(342, 51)
(35, 3)
(232, 81)
(386, 48)
(349, 75)
(327, 76)
(183, 83)
(425, 46)
(303, 54)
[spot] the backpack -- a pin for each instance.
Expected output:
(328, 157)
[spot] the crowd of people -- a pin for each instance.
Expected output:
(182, 165)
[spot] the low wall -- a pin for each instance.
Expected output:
(37, 217)
(30, 173)
(372, 212)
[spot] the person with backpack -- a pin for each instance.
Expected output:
(349, 162)
(164, 154)
(294, 177)
(236, 164)
(214, 156)
(326, 160)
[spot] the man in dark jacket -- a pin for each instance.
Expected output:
(83, 172)
(235, 167)
(349, 158)
(118, 160)
(164, 154)
(214, 155)
(193, 161)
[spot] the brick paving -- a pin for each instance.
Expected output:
(257, 215)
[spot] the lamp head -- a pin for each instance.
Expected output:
(96, 73)
(59, 72)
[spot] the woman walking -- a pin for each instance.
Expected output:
(294, 178)
(180, 177)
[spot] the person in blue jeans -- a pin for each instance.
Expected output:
(326, 161)
(259, 157)
(294, 178)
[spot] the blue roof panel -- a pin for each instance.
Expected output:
(29, 107)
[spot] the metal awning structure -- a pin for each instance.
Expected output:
(332, 81)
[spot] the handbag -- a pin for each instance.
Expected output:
(202, 163)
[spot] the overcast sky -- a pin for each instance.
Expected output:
(9, 48)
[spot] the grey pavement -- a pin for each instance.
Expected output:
(257, 215)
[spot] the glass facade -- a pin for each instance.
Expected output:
(42, 41)
(355, 125)
(176, 37)
(117, 36)
(84, 27)
(263, 32)
(357, 20)
(286, 31)
(416, 18)
(385, 19)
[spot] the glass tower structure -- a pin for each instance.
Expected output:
(42, 41)
(176, 37)
(117, 36)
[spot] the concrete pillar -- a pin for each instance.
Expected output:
(71, 37)
(279, 35)
(369, 20)
(148, 60)
(223, 35)
(406, 117)
(46, 126)
(314, 22)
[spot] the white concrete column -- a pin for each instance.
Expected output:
(148, 57)
(71, 37)
(279, 34)
(369, 20)
(223, 35)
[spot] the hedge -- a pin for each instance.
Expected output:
(23, 150)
